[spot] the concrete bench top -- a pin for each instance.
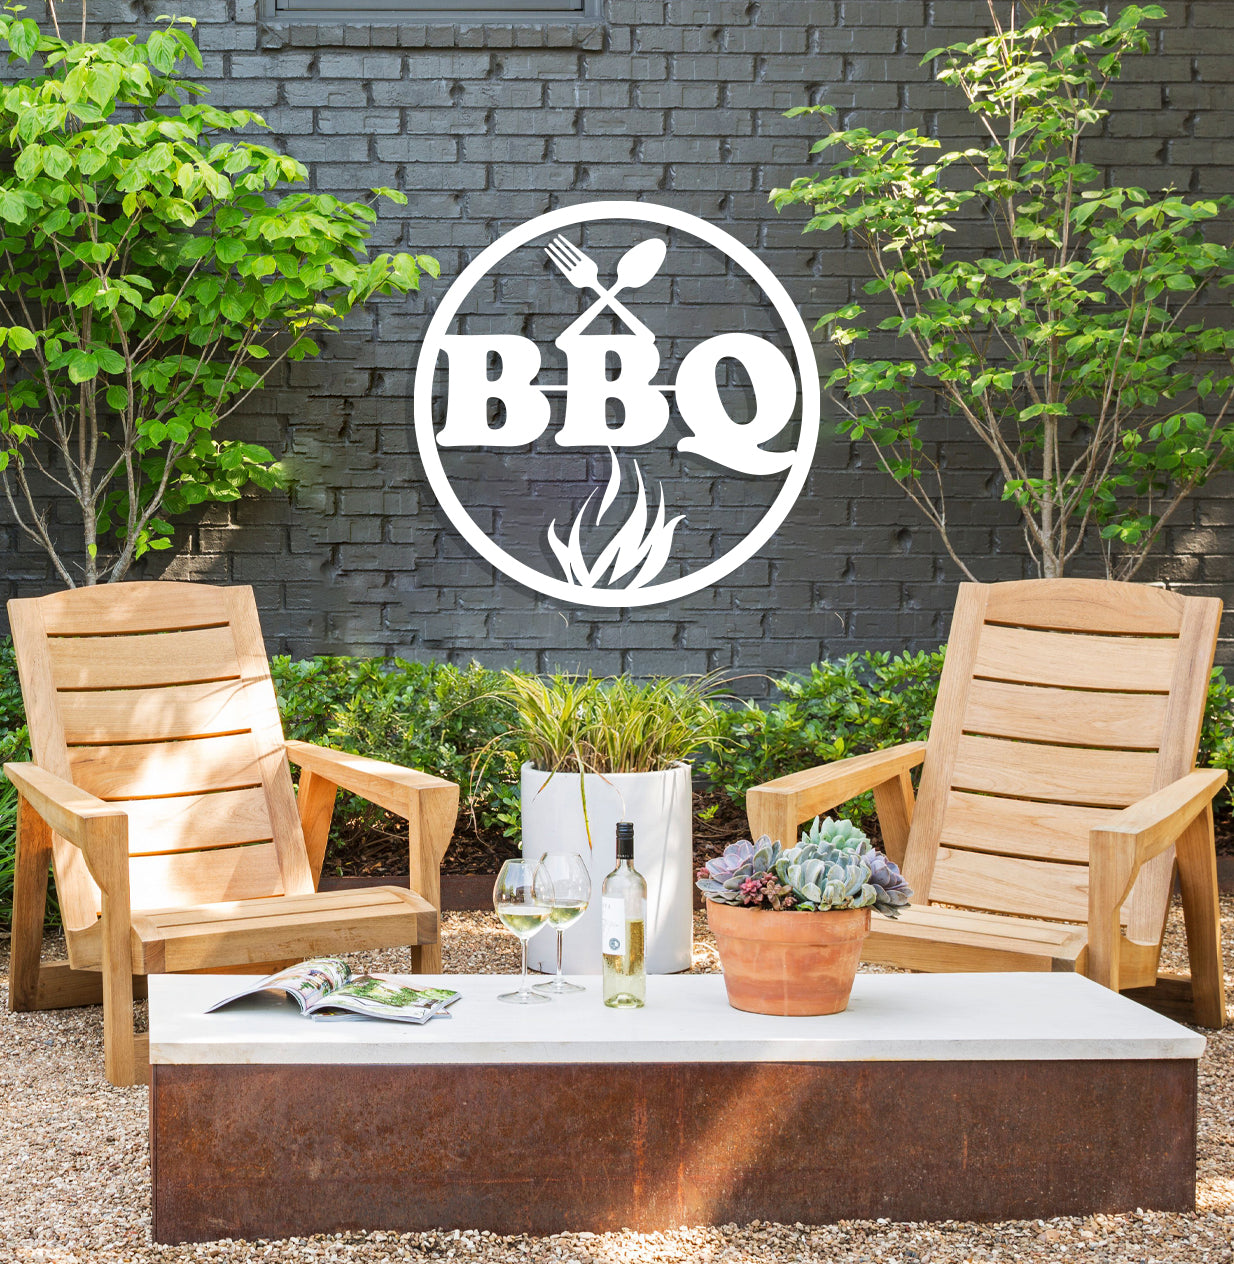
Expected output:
(891, 1017)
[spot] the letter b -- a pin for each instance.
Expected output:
(589, 390)
(470, 389)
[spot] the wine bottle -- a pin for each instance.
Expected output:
(623, 917)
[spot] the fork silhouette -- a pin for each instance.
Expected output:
(582, 273)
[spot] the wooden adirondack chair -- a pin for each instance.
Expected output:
(1057, 792)
(160, 792)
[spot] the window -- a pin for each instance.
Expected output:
(436, 10)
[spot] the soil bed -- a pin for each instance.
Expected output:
(361, 848)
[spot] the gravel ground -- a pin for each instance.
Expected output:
(75, 1178)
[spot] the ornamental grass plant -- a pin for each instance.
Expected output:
(594, 724)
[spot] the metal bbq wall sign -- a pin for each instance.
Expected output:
(624, 396)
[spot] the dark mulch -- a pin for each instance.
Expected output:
(367, 850)
(380, 850)
(1224, 827)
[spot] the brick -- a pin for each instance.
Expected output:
(382, 65)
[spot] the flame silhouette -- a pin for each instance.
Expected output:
(634, 545)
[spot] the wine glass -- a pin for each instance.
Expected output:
(571, 895)
(522, 896)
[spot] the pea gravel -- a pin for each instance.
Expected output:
(75, 1177)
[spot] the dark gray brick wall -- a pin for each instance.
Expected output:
(681, 102)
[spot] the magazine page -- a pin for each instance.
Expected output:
(305, 983)
(375, 996)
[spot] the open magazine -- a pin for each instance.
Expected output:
(325, 988)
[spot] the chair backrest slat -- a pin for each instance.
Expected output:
(143, 770)
(1077, 717)
(158, 696)
(1052, 773)
(1007, 884)
(1036, 656)
(100, 716)
(226, 873)
(142, 660)
(1060, 701)
(196, 822)
(1020, 827)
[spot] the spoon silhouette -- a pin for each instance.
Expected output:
(639, 264)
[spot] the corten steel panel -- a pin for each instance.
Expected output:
(276, 1151)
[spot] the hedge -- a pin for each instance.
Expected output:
(435, 716)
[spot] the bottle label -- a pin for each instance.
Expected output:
(613, 925)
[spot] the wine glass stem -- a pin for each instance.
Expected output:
(559, 938)
(522, 987)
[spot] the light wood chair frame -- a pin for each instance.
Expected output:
(86, 840)
(1133, 853)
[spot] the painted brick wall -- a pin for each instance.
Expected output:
(676, 101)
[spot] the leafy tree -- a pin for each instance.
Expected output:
(1079, 349)
(155, 270)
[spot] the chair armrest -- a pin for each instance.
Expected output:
(75, 814)
(778, 807)
(99, 830)
(1120, 847)
(387, 785)
(1142, 831)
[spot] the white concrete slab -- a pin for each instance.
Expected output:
(891, 1017)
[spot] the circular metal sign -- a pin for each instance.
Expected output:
(741, 405)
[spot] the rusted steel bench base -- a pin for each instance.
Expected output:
(288, 1150)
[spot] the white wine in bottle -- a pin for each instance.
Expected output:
(623, 910)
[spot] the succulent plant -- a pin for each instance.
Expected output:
(829, 832)
(885, 877)
(834, 866)
(721, 879)
(826, 879)
(841, 845)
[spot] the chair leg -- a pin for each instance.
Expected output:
(428, 836)
(1197, 876)
(119, 1054)
(29, 906)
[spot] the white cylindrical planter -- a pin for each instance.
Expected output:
(659, 804)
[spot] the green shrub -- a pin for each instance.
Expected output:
(843, 707)
(1217, 735)
(431, 716)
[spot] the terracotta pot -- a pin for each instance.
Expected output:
(788, 963)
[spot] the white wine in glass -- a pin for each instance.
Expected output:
(571, 895)
(523, 899)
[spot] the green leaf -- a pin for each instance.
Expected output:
(24, 38)
(109, 361)
(82, 367)
(12, 207)
(229, 250)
